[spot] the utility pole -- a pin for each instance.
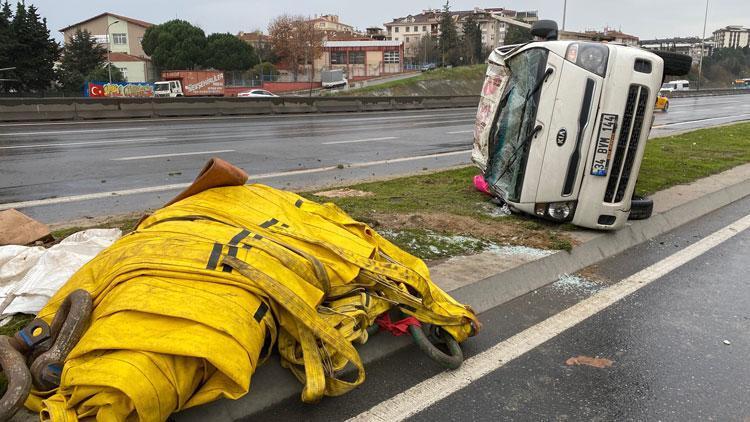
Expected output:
(109, 63)
(565, 9)
(703, 40)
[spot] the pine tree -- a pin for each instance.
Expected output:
(33, 53)
(472, 41)
(448, 39)
(7, 37)
(81, 57)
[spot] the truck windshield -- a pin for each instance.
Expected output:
(514, 127)
(161, 87)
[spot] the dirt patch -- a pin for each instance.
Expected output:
(343, 193)
(498, 232)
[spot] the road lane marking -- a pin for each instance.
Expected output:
(701, 120)
(176, 154)
(460, 131)
(66, 144)
(174, 186)
(385, 138)
(62, 132)
(431, 391)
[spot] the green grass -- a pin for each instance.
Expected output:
(447, 191)
(126, 225)
(461, 73)
(684, 158)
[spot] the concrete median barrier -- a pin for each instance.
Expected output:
(41, 109)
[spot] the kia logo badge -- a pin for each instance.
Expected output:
(562, 135)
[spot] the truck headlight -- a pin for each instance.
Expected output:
(557, 211)
(590, 56)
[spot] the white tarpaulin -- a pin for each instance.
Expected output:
(29, 276)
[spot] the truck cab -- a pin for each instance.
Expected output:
(168, 89)
(561, 128)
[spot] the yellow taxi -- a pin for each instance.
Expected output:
(662, 103)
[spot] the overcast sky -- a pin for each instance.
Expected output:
(643, 18)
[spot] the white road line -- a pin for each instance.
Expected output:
(176, 154)
(701, 120)
(459, 131)
(252, 179)
(59, 132)
(428, 392)
(67, 144)
(386, 138)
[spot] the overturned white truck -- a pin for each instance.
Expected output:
(562, 125)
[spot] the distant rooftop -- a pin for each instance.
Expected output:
(120, 17)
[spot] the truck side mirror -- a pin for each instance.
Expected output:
(545, 29)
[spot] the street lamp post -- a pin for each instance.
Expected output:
(109, 63)
(703, 40)
(565, 10)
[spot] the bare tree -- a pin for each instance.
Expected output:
(296, 41)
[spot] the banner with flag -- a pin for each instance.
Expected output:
(118, 89)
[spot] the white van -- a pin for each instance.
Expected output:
(562, 125)
(675, 86)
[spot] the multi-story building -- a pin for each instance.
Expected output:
(331, 23)
(733, 36)
(122, 36)
(690, 46)
(410, 29)
(609, 34)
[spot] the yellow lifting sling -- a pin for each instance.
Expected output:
(188, 305)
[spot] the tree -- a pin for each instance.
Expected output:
(296, 41)
(27, 46)
(227, 52)
(175, 44)
(265, 71)
(428, 50)
(448, 39)
(101, 74)
(81, 56)
(517, 35)
(472, 40)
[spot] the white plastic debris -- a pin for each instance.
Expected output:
(29, 276)
(727, 342)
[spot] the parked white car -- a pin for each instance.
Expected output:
(257, 93)
(562, 126)
(672, 86)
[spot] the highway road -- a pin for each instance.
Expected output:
(59, 171)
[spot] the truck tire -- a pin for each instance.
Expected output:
(675, 64)
(640, 208)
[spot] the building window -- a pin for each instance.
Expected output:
(396, 29)
(416, 29)
(338, 57)
(424, 28)
(406, 39)
(120, 39)
(391, 57)
(356, 57)
(124, 71)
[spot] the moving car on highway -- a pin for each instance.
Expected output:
(662, 103)
(257, 93)
(671, 86)
(562, 125)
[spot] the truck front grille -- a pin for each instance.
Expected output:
(627, 144)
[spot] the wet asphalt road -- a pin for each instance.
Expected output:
(99, 168)
(666, 343)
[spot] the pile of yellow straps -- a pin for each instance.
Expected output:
(187, 306)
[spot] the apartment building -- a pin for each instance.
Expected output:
(410, 29)
(331, 23)
(683, 45)
(122, 36)
(732, 36)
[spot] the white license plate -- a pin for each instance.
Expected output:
(604, 144)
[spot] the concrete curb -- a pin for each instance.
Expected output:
(272, 384)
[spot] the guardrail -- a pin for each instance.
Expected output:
(40, 109)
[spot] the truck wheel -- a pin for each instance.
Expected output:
(675, 64)
(640, 208)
